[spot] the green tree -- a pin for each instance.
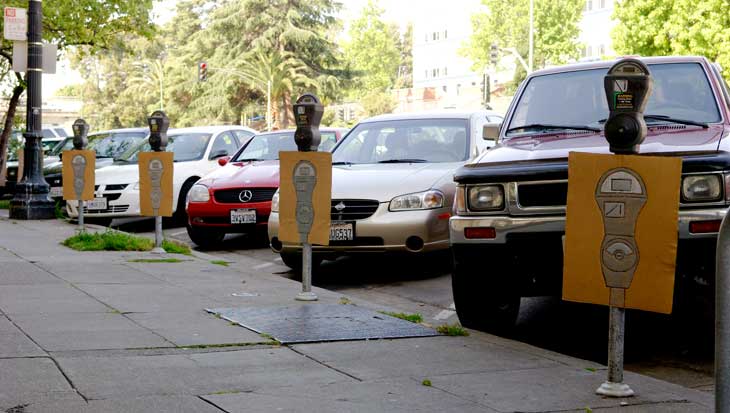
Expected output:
(95, 25)
(507, 24)
(674, 27)
(372, 51)
(405, 68)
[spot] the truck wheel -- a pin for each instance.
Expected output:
(482, 302)
(205, 238)
(293, 260)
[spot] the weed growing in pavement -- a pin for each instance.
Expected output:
(60, 211)
(114, 311)
(426, 382)
(413, 318)
(119, 241)
(453, 330)
(345, 301)
(157, 260)
(220, 262)
(591, 369)
(5, 204)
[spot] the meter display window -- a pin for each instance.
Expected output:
(681, 90)
(427, 140)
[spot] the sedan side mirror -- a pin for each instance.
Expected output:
(490, 131)
(224, 160)
(218, 154)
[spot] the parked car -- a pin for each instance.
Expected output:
(237, 197)
(507, 234)
(107, 145)
(392, 184)
(196, 150)
(56, 144)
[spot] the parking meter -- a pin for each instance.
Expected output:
(308, 111)
(81, 130)
(158, 123)
(628, 85)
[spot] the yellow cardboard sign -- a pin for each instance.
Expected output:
(155, 183)
(292, 163)
(78, 174)
(621, 230)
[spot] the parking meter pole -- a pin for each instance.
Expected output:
(616, 320)
(81, 214)
(722, 319)
(306, 294)
(158, 233)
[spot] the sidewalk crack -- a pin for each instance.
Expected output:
(324, 364)
(212, 404)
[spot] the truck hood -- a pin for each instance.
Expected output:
(677, 139)
(384, 182)
(244, 174)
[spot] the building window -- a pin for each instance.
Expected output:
(589, 5)
(426, 37)
(426, 74)
(446, 34)
(446, 71)
(602, 50)
(589, 51)
(458, 88)
(444, 88)
(602, 4)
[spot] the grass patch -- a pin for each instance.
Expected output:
(120, 241)
(156, 260)
(413, 318)
(345, 301)
(426, 382)
(453, 330)
(60, 211)
(5, 204)
(220, 262)
(591, 369)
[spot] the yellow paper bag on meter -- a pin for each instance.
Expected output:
(321, 197)
(78, 174)
(652, 286)
(155, 183)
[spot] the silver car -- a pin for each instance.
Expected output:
(392, 183)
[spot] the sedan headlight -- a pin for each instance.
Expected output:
(701, 188)
(486, 198)
(275, 202)
(199, 193)
(422, 200)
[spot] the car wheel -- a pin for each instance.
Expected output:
(205, 238)
(483, 302)
(180, 216)
(293, 260)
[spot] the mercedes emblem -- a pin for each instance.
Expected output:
(245, 196)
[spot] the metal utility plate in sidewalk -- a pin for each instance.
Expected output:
(321, 322)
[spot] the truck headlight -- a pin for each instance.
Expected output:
(486, 198)
(199, 193)
(701, 188)
(275, 202)
(421, 200)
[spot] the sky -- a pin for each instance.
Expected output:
(400, 12)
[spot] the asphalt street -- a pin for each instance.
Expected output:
(676, 348)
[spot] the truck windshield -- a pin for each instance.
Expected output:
(681, 90)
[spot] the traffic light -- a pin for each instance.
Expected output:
(202, 71)
(493, 53)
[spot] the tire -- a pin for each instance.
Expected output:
(293, 260)
(483, 301)
(180, 217)
(205, 238)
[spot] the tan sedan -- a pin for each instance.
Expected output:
(392, 184)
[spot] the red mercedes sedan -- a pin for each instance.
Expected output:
(237, 197)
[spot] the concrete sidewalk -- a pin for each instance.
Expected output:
(95, 332)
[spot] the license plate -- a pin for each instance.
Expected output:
(56, 191)
(243, 216)
(342, 231)
(96, 204)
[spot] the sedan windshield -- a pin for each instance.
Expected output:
(266, 147)
(186, 146)
(577, 101)
(405, 141)
(110, 145)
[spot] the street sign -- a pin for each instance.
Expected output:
(305, 197)
(15, 23)
(20, 57)
(78, 174)
(155, 184)
(630, 263)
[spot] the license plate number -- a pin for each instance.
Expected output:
(342, 231)
(96, 204)
(56, 191)
(243, 216)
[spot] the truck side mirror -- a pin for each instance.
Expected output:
(490, 131)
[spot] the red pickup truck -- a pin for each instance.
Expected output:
(506, 232)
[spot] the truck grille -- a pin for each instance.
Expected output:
(232, 196)
(353, 209)
(542, 194)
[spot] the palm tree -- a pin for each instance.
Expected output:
(150, 78)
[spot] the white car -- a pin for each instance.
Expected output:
(197, 151)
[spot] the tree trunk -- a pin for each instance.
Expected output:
(7, 128)
(288, 111)
(274, 114)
